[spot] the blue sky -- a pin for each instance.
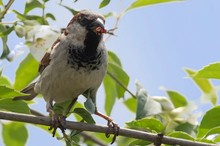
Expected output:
(154, 44)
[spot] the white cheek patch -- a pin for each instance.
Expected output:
(100, 20)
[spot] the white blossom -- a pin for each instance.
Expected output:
(187, 114)
(40, 38)
(18, 50)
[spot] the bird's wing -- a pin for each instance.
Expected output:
(46, 59)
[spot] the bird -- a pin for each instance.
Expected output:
(74, 65)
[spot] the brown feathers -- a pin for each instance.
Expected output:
(44, 62)
(46, 59)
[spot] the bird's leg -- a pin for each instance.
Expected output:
(56, 120)
(70, 106)
(111, 124)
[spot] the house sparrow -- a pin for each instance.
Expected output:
(75, 65)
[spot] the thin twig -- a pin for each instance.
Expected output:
(43, 12)
(92, 138)
(5, 23)
(118, 17)
(98, 128)
(120, 83)
(115, 26)
(7, 6)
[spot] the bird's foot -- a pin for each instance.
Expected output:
(57, 122)
(112, 126)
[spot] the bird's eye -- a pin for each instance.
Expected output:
(83, 21)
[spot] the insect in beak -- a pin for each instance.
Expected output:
(99, 30)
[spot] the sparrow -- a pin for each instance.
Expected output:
(74, 65)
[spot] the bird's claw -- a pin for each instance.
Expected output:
(112, 126)
(57, 122)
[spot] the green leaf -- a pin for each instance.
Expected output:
(89, 105)
(5, 81)
(78, 105)
(211, 71)
(37, 18)
(74, 138)
(114, 80)
(208, 90)
(85, 115)
(146, 106)
(131, 104)
(14, 134)
(139, 143)
(110, 93)
(118, 73)
(32, 4)
(61, 108)
(215, 130)
(104, 3)
(26, 72)
(51, 16)
(142, 3)
(74, 12)
(5, 48)
(7, 92)
(6, 31)
(209, 121)
(177, 99)
(108, 14)
(217, 139)
(187, 128)
(113, 58)
(14, 106)
(180, 134)
(19, 15)
(146, 124)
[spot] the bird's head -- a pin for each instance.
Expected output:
(91, 21)
(86, 21)
(86, 28)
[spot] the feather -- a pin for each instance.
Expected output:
(44, 62)
(28, 90)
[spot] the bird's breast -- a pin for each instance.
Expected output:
(71, 73)
(84, 59)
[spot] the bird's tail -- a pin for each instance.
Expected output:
(28, 90)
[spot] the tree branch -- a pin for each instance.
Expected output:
(98, 128)
(83, 134)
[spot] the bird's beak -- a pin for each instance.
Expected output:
(98, 26)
